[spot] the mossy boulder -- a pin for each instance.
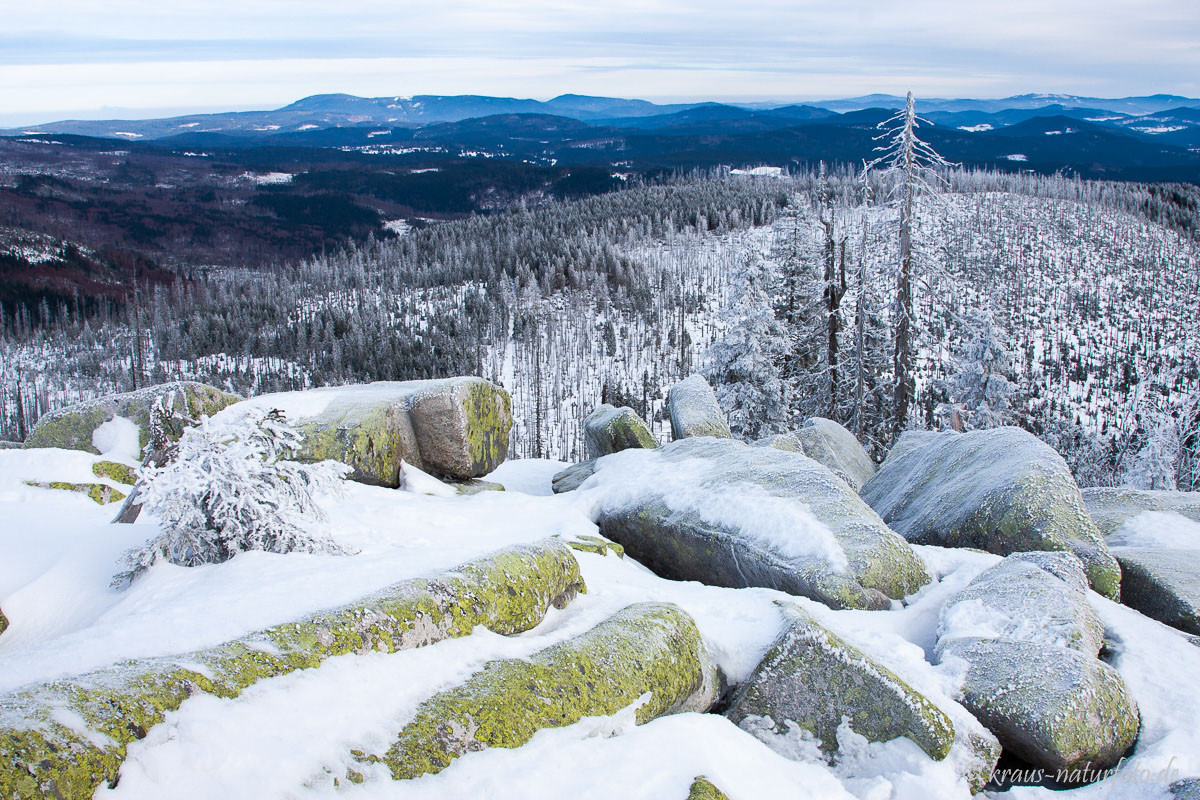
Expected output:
(1054, 707)
(1000, 490)
(100, 493)
(648, 651)
(704, 789)
(1112, 508)
(610, 430)
(828, 443)
(507, 592)
(569, 479)
(694, 410)
(115, 472)
(814, 679)
(71, 428)
(723, 513)
(454, 427)
(1027, 641)
(1163, 584)
(3, 621)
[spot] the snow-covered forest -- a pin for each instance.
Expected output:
(1067, 307)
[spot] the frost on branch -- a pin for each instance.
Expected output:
(230, 488)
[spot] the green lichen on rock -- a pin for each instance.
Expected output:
(116, 472)
(610, 430)
(813, 678)
(1000, 490)
(596, 544)
(701, 539)
(42, 754)
(476, 486)
(1163, 584)
(488, 420)
(3, 621)
(704, 789)
(694, 410)
(372, 438)
(100, 493)
(649, 651)
(72, 427)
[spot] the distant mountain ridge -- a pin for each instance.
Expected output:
(344, 110)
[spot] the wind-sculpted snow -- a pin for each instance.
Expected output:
(999, 490)
(64, 739)
(722, 512)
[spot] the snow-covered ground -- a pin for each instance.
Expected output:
(287, 736)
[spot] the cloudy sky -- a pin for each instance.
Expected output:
(82, 58)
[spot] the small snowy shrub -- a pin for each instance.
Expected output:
(230, 488)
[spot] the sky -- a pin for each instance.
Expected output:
(146, 58)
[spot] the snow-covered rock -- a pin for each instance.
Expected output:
(73, 427)
(727, 514)
(1163, 584)
(649, 655)
(47, 731)
(1054, 707)
(694, 410)
(100, 493)
(1027, 640)
(570, 479)
(1113, 507)
(455, 427)
(813, 680)
(1000, 490)
(828, 443)
(3, 621)
(610, 430)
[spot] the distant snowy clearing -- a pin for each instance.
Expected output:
(287, 736)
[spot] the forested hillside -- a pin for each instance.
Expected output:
(1064, 306)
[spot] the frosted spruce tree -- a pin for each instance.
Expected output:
(743, 365)
(230, 488)
(979, 385)
(910, 160)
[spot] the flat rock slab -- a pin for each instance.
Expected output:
(1112, 508)
(727, 514)
(694, 410)
(648, 652)
(1000, 490)
(42, 756)
(610, 430)
(828, 443)
(1163, 584)
(71, 428)
(571, 478)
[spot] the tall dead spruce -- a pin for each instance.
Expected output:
(914, 162)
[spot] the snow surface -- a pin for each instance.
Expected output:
(1163, 529)
(119, 438)
(287, 736)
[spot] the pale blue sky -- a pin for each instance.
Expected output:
(81, 58)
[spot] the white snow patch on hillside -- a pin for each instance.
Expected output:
(1017, 157)
(771, 172)
(268, 178)
(980, 128)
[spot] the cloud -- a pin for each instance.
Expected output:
(269, 52)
